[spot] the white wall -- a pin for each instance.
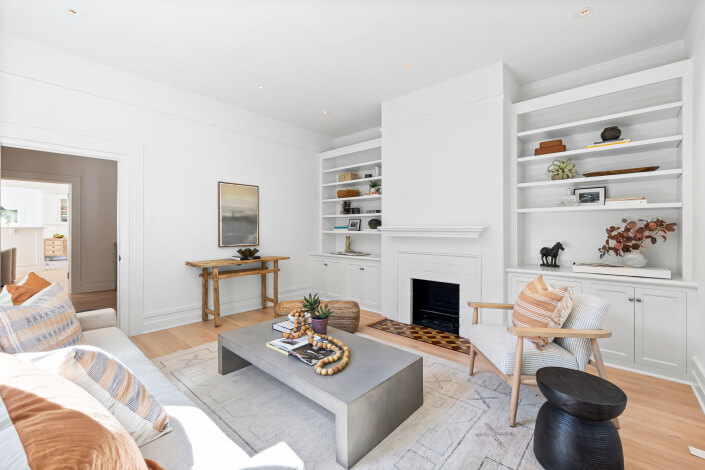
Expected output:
(189, 144)
(696, 45)
(443, 154)
(28, 202)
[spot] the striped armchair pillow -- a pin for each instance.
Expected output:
(541, 306)
(45, 322)
(112, 384)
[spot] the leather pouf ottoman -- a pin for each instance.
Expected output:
(285, 307)
(346, 315)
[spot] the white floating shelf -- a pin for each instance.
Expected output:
(610, 150)
(649, 175)
(353, 232)
(356, 166)
(354, 148)
(472, 231)
(627, 118)
(356, 198)
(357, 181)
(658, 205)
(350, 216)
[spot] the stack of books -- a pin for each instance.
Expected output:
(550, 146)
(340, 228)
(608, 142)
(301, 349)
(626, 201)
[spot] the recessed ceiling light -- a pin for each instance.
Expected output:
(261, 87)
(408, 66)
(324, 112)
(585, 11)
(72, 11)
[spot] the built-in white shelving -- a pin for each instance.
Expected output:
(585, 208)
(350, 216)
(352, 149)
(353, 232)
(357, 181)
(356, 198)
(353, 167)
(609, 150)
(645, 176)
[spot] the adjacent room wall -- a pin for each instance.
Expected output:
(189, 144)
(93, 266)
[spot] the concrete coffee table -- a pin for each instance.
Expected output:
(375, 393)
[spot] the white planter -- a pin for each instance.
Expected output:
(635, 259)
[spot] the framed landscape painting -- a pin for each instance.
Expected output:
(238, 214)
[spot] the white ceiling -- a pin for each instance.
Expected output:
(343, 56)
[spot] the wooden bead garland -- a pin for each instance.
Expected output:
(341, 350)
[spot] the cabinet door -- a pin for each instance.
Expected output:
(335, 273)
(372, 298)
(354, 280)
(661, 329)
(52, 209)
(319, 277)
(619, 319)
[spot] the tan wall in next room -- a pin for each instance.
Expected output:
(95, 183)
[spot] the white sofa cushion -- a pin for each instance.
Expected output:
(499, 346)
(196, 441)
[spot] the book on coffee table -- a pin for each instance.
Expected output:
(300, 348)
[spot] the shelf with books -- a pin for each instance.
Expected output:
(353, 232)
(658, 143)
(351, 216)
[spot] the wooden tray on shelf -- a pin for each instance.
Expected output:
(642, 169)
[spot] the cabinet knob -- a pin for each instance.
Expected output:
(638, 299)
(325, 264)
(631, 299)
(362, 269)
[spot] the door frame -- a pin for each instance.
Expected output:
(130, 205)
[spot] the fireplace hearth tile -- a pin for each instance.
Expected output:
(424, 334)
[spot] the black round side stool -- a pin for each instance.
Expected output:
(574, 428)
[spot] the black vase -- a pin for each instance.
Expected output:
(374, 223)
(611, 133)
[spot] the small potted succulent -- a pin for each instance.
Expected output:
(319, 322)
(562, 170)
(375, 187)
(630, 240)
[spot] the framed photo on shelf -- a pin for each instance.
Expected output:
(238, 214)
(591, 196)
(354, 225)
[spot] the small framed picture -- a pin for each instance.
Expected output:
(354, 225)
(591, 196)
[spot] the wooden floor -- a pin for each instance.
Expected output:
(661, 420)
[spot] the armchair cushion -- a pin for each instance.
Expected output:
(94, 319)
(497, 345)
(588, 314)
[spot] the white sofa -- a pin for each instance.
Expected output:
(196, 442)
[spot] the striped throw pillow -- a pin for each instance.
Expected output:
(541, 306)
(112, 384)
(47, 321)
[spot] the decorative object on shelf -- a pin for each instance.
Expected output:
(347, 244)
(570, 199)
(347, 176)
(368, 174)
(643, 169)
(591, 196)
(632, 237)
(373, 211)
(549, 256)
(354, 210)
(248, 253)
(550, 146)
(354, 225)
(58, 235)
(562, 170)
(635, 201)
(375, 187)
(374, 223)
(342, 352)
(238, 214)
(611, 133)
(347, 193)
(346, 207)
(608, 143)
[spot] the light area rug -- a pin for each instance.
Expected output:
(463, 423)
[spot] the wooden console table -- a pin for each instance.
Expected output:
(215, 275)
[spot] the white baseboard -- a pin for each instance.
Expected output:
(169, 318)
(698, 384)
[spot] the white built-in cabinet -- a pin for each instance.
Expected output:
(648, 321)
(347, 279)
(56, 209)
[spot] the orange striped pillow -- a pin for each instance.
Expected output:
(541, 306)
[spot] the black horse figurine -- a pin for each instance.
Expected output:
(549, 256)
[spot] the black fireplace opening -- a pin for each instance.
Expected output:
(436, 305)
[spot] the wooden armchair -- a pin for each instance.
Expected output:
(516, 359)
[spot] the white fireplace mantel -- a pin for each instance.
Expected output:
(470, 231)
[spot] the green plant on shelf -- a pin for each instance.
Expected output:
(562, 170)
(375, 187)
